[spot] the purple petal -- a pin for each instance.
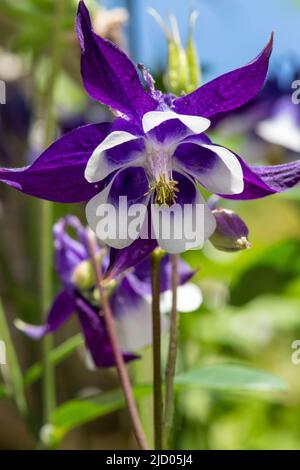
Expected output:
(169, 131)
(108, 74)
(121, 260)
(228, 91)
(263, 181)
(62, 307)
(58, 174)
(68, 251)
(96, 337)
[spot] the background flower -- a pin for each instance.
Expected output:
(130, 296)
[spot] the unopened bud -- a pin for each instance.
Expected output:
(177, 75)
(183, 72)
(231, 233)
(192, 57)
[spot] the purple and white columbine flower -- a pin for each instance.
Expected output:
(156, 149)
(129, 295)
(270, 120)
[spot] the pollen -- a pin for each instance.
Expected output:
(164, 190)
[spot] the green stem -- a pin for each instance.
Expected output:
(45, 299)
(156, 348)
(46, 212)
(15, 377)
(172, 353)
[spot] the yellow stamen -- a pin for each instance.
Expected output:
(165, 191)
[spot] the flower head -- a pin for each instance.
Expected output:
(271, 121)
(129, 291)
(156, 150)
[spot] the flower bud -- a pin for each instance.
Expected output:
(192, 57)
(231, 233)
(183, 72)
(177, 74)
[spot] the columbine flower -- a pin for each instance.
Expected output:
(282, 126)
(156, 150)
(129, 295)
(271, 119)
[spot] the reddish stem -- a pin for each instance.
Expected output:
(120, 364)
(172, 353)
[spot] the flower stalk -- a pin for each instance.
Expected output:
(120, 364)
(156, 340)
(46, 216)
(172, 354)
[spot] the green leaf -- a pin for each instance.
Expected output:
(231, 378)
(77, 412)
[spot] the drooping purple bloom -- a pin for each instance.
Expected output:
(129, 295)
(156, 150)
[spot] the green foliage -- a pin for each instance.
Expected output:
(77, 412)
(231, 378)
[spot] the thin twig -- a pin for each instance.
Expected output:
(120, 364)
(172, 353)
(156, 348)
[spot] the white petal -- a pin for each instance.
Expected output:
(189, 298)
(98, 209)
(153, 119)
(192, 225)
(226, 177)
(134, 329)
(97, 167)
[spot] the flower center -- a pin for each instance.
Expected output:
(159, 168)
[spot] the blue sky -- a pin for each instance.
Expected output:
(229, 33)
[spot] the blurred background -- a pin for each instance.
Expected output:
(251, 300)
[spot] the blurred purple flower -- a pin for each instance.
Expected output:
(156, 149)
(129, 297)
(271, 119)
